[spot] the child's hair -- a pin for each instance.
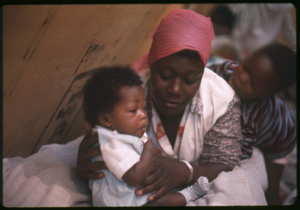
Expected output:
(284, 62)
(101, 91)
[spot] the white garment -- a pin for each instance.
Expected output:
(120, 152)
(214, 99)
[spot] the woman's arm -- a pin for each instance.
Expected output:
(221, 152)
(138, 173)
(85, 167)
(170, 174)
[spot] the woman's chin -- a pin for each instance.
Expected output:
(170, 112)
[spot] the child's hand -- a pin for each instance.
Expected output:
(150, 147)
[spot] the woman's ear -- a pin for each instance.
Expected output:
(104, 120)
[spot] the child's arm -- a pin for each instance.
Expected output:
(138, 172)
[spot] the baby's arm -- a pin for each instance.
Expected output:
(139, 171)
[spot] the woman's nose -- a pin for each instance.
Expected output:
(174, 87)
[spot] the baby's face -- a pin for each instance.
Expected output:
(129, 116)
(255, 78)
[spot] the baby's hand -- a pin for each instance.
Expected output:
(150, 147)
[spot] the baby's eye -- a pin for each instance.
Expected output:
(133, 110)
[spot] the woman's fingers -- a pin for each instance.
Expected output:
(87, 150)
(89, 140)
(93, 166)
(151, 187)
(161, 190)
(90, 175)
(152, 178)
(157, 194)
(91, 152)
(88, 126)
(170, 177)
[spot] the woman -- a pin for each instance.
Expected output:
(194, 115)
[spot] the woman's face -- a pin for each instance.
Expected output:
(174, 82)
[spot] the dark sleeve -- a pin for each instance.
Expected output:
(277, 133)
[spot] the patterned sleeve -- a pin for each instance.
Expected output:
(224, 69)
(222, 143)
(277, 133)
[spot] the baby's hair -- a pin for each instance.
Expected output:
(101, 91)
(283, 59)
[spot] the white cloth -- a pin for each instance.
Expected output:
(120, 152)
(47, 178)
(244, 185)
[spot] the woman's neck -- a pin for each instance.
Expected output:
(170, 124)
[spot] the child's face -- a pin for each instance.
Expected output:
(254, 78)
(129, 116)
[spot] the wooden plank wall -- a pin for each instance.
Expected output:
(48, 53)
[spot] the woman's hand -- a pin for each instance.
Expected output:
(86, 151)
(167, 174)
(169, 199)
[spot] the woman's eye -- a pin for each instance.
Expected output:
(165, 76)
(145, 108)
(190, 81)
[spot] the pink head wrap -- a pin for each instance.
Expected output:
(182, 29)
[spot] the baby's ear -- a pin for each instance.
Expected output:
(104, 120)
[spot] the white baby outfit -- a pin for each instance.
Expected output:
(120, 152)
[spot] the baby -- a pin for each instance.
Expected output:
(115, 105)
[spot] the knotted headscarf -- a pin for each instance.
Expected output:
(181, 29)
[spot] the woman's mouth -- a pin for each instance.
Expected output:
(171, 104)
